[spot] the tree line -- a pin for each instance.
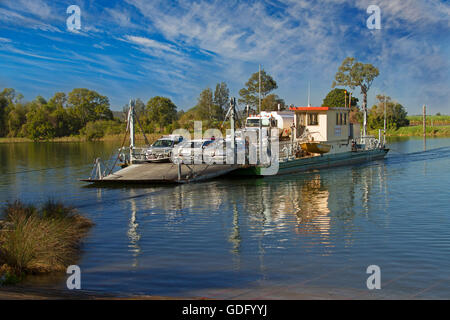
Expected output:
(86, 112)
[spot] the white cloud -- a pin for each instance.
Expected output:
(150, 43)
(38, 8)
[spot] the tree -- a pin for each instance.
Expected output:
(271, 102)
(161, 111)
(9, 94)
(3, 106)
(139, 108)
(221, 98)
(38, 125)
(354, 74)
(59, 100)
(206, 109)
(336, 98)
(89, 105)
(250, 94)
(396, 115)
(7, 99)
(16, 118)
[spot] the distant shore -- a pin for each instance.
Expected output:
(116, 137)
(416, 131)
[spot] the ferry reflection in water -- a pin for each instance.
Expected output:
(271, 207)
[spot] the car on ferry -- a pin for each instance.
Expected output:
(162, 149)
(218, 151)
(190, 151)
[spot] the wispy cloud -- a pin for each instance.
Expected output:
(150, 43)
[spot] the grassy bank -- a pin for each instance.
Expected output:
(416, 131)
(442, 120)
(114, 137)
(39, 240)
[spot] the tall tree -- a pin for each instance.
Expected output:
(354, 74)
(161, 111)
(250, 94)
(222, 97)
(89, 105)
(206, 109)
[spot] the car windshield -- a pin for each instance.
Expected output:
(163, 144)
(253, 123)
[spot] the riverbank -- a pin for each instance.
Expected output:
(26, 293)
(442, 120)
(116, 137)
(416, 131)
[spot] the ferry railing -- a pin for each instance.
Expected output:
(370, 142)
(97, 173)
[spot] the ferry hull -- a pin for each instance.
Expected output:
(318, 162)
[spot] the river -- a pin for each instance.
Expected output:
(307, 235)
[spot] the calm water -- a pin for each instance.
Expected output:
(275, 237)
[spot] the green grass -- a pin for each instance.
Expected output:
(437, 120)
(39, 240)
(112, 137)
(416, 131)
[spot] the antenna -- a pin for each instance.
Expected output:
(309, 93)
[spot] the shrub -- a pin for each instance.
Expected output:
(39, 241)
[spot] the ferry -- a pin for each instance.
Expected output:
(307, 138)
(319, 137)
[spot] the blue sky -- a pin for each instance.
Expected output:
(139, 49)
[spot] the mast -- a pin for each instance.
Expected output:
(131, 123)
(260, 119)
(233, 125)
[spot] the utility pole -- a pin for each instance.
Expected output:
(385, 112)
(424, 121)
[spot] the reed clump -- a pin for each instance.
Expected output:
(39, 240)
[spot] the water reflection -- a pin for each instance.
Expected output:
(133, 234)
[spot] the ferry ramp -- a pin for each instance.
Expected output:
(147, 173)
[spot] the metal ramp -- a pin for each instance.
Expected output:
(164, 173)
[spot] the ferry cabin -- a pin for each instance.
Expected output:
(327, 125)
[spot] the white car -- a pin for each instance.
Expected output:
(191, 151)
(162, 149)
(218, 151)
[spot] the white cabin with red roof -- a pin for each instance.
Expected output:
(324, 124)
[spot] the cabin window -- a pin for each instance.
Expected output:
(301, 119)
(313, 119)
(340, 119)
(345, 118)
